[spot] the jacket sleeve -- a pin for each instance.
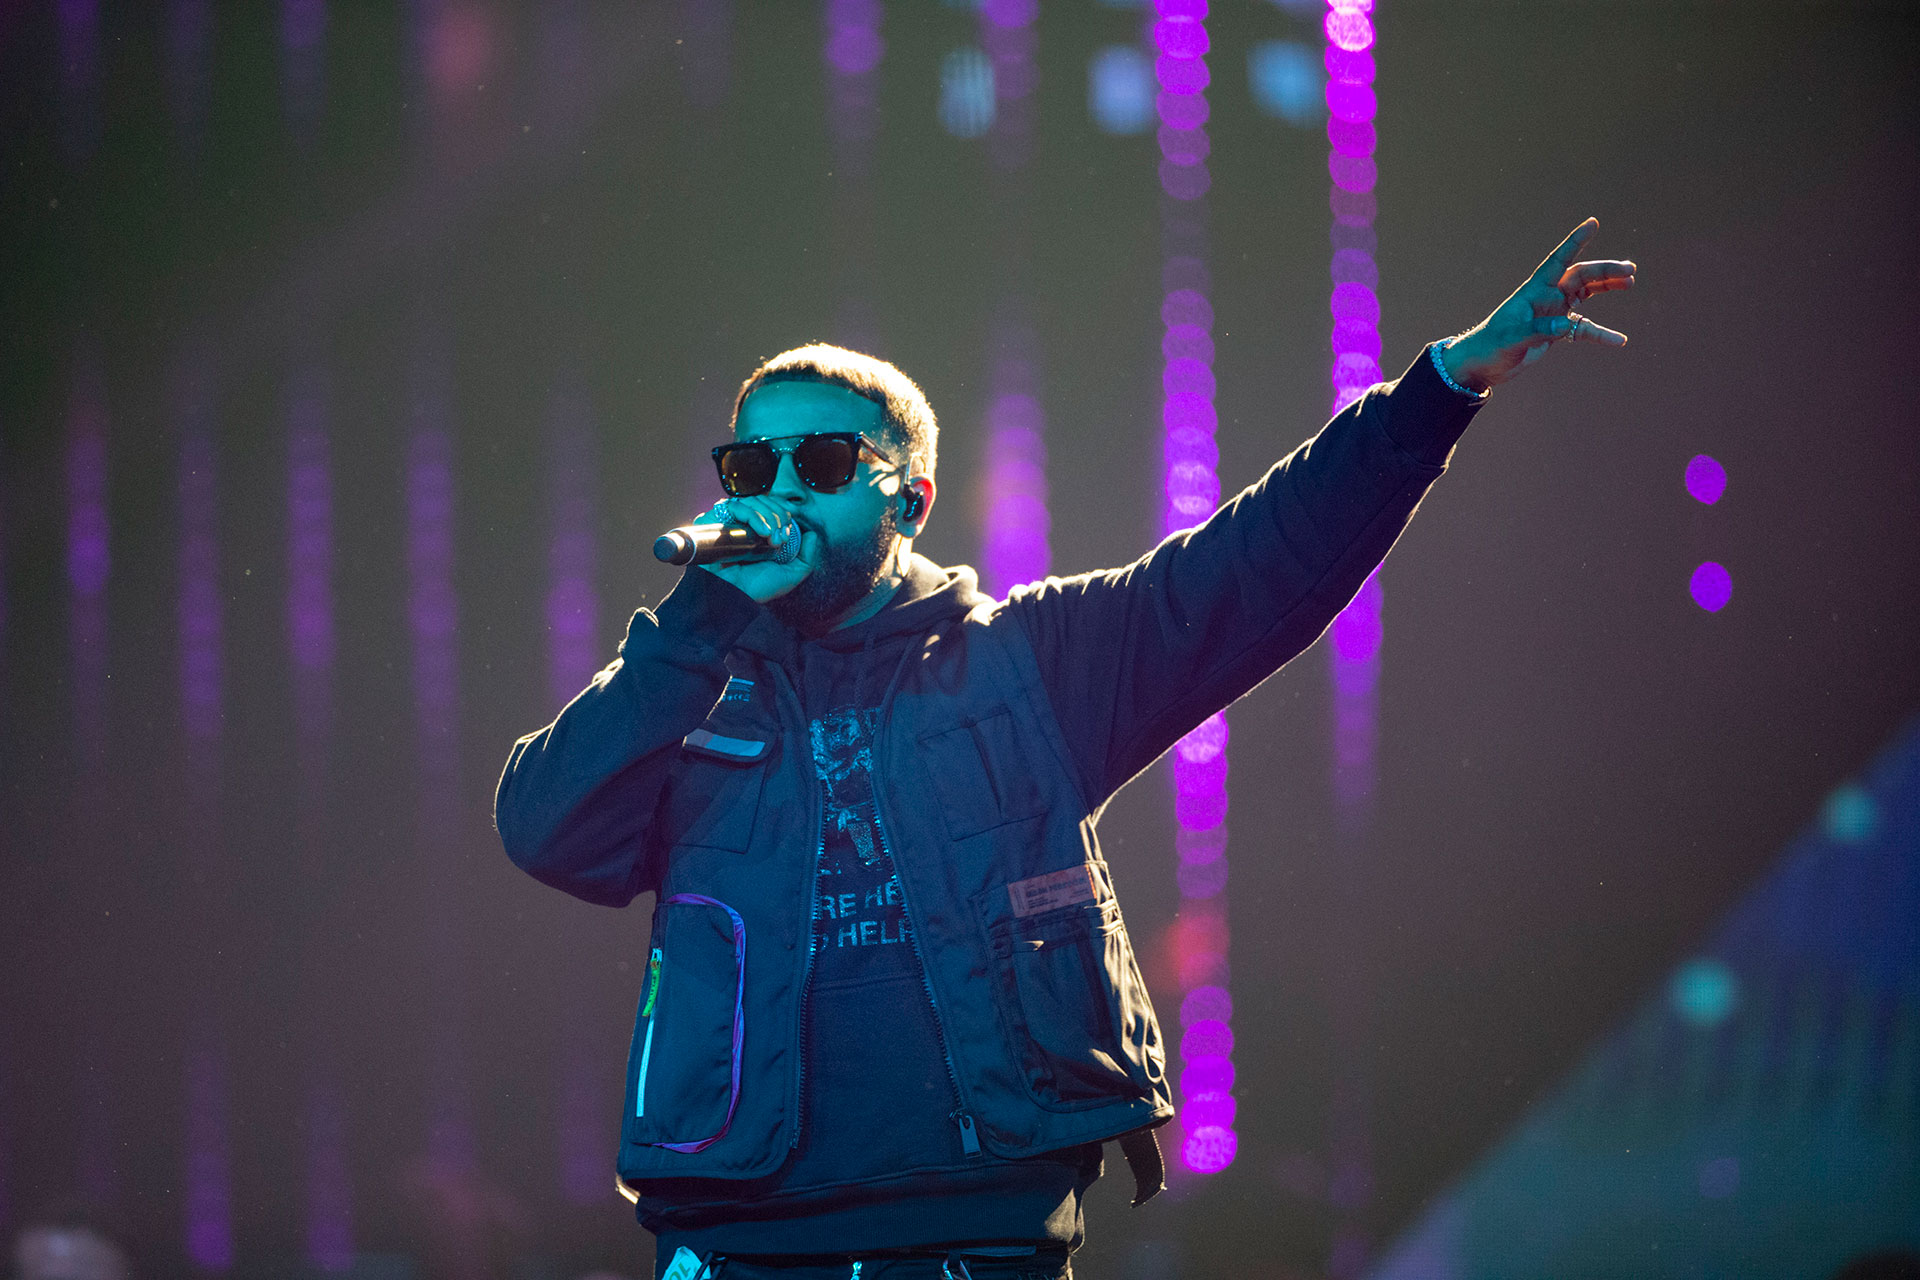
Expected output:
(1132, 658)
(577, 798)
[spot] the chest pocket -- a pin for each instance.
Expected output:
(714, 794)
(983, 773)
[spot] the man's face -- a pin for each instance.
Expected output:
(855, 524)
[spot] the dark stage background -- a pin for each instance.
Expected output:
(352, 354)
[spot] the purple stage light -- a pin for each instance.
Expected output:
(329, 1180)
(1206, 1036)
(1356, 636)
(1201, 880)
(1711, 586)
(1706, 479)
(88, 565)
(572, 601)
(198, 610)
(1190, 493)
(209, 1192)
(1350, 101)
(1206, 1073)
(303, 28)
(433, 615)
(1209, 1148)
(1206, 1002)
(1348, 29)
(207, 1176)
(79, 32)
(189, 44)
(1208, 1111)
(1200, 846)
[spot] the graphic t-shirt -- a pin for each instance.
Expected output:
(860, 923)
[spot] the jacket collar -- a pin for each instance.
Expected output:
(930, 594)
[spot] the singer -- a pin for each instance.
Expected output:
(890, 1010)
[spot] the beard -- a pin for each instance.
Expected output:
(842, 579)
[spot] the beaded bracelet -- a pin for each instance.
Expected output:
(1441, 367)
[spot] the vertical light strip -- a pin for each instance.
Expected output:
(1017, 526)
(573, 604)
(199, 618)
(432, 612)
(1208, 1141)
(88, 566)
(79, 22)
(189, 56)
(1007, 35)
(303, 30)
(1356, 634)
(707, 54)
(573, 611)
(311, 648)
(853, 49)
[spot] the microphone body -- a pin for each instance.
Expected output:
(710, 543)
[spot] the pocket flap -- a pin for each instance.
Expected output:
(720, 747)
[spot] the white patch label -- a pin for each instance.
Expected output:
(1055, 889)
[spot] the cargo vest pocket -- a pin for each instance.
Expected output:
(981, 775)
(683, 1074)
(713, 795)
(1057, 1005)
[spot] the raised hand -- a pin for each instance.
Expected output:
(1538, 314)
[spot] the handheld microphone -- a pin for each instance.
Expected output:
(711, 543)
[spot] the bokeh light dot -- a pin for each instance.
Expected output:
(1850, 815)
(1711, 586)
(1706, 479)
(1704, 992)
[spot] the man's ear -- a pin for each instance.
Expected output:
(916, 504)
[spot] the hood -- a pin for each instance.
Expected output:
(930, 595)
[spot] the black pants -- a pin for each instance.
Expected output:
(1042, 1264)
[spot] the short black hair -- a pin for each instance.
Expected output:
(909, 420)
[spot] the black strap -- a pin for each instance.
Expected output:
(1142, 1151)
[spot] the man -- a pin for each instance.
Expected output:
(891, 1010)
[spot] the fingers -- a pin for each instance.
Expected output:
(1576, 326)
(1592, 331)
(1560, 259)
(1583, 279)
(760, 515)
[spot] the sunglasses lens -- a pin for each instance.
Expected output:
(747, 469)
(825, 462)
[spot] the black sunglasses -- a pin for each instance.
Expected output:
(825, 461)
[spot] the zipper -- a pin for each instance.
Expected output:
(646, 1048)
(805, 1030)
(962, 1119)
(806, 983)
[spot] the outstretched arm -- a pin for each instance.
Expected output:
(1135, 657)
(1538, 314)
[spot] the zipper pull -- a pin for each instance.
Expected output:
(969, 1140)
(653, 982)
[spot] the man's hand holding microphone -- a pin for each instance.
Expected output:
(751, 542)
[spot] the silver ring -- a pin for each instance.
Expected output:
(722, 511)
(1573, 324)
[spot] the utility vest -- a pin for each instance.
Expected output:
(1048, 1032)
